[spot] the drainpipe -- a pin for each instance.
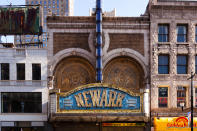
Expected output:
(99, 41)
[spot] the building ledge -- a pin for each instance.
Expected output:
(99, 117)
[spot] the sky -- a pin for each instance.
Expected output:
(127, 8)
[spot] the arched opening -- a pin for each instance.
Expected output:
(124, 72)
(72, 72)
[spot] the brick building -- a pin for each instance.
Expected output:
(72, 65)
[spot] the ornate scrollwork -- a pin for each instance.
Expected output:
(73, 72)
(124, 72)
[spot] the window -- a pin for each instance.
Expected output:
(181, 64)
(181, 96)
(163, 33)
(5, 71)
(163, 64)
(36, 72)
(196, 63)
(196, 33)
(20, 71)
(15, 102)
(163, 97)
(181, 33)
(196, 97)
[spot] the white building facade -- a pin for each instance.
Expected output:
(23, 89)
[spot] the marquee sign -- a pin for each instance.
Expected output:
(99, 98)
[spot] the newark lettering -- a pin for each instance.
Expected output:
(99, 98)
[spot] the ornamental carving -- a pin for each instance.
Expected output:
(73, 72)
(124, 72)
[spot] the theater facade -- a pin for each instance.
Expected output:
(121, 100)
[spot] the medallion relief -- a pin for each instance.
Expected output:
(125, 73)
(73, 72)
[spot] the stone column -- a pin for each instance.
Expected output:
(173, 53)
(154, 95)
(147, 101)
(191, 33)
(191, 59)
(172, 32)
(53, 103)
(154, 60)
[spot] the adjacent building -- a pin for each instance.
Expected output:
(173, 37)
(48, 8)
(23, 89)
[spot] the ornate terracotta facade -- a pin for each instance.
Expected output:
(72, 64)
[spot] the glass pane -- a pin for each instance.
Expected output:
(36, 72)
(163, 70)
(181, 60)
(163, 92)
(163, 29)
(181, 70)
(181, 38)
(196, 38)
(163, 102)
(163, 59)
(5, 71)
(181, 96)
(196, 30)
(22, 102)
(162, 38)
(20, 71)
(181, 29)
(196, 97)
(163, 97)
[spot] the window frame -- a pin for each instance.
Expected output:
(7, 72)
(196, 33)
(21, 102)
(167, 101)
(40, 71)
(163, 65)
(182, 65)
(163, 35)
(182, 34)
(195, 91)
(18, 76)
(183, 97)
(196, 63)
